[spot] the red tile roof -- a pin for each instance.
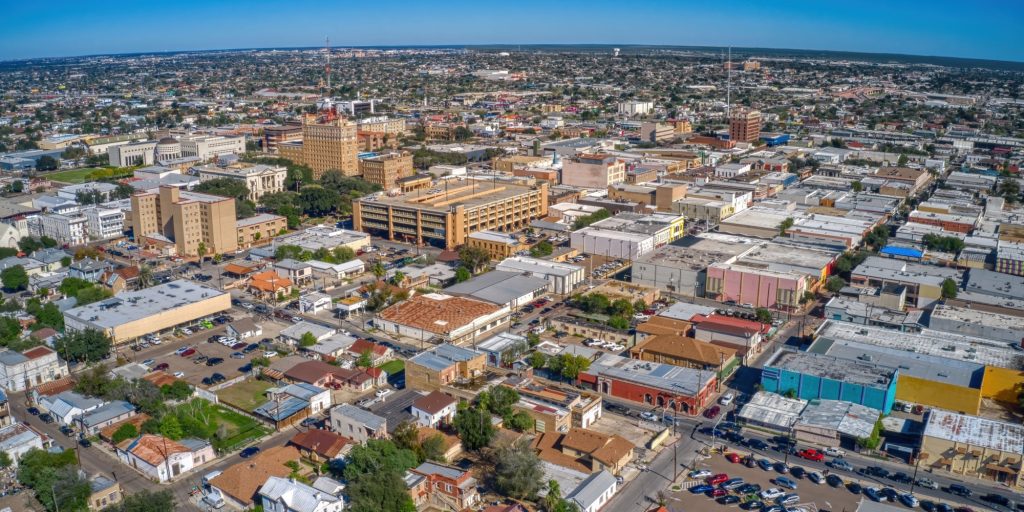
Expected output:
(37, 352)
(731, 325)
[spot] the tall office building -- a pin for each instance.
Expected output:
(326, 146)
(744, 125)
(385, 170)
(186, 219)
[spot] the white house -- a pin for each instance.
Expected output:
(244, 328)
(66, 406)
(336, 271)
(314, 302)
(35, 366)
(162, 459)
(594, 492)
(16, 439)
(286, 495)
(434, 409)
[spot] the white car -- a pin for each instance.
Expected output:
(186, 331)
(832, 451)
(927, 483)
(815, 477)
(771, 494)
(700, 473)
(270, 353)
(649, 416)
(180, 375)
(381, 393)
(615, 347)
(155, 341)
(727, 399)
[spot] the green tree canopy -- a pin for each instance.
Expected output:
(374, 472)
(474, 426)
(14, 278)
(518, 473)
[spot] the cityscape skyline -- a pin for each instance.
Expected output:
(915, 28)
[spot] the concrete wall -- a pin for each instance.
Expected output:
(938, 394)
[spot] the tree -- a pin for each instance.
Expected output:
(569, 365)
(537, 360)
(365, 359)
(834, 284)
(89, 345)
(378, 270)
(47, 163)
(857, 186)
(520, 422)
(178, 390)
(518, 473)
(55, 480)
(763, 315)
(543, 248)
(17, 186)
(307, 340)
(618, 322)
(785, 225)
(5, 460)
(374, 473)
(586, 220)
(943, 243)
(93, 294)
(500, 400)
(145, 501)
(474, 258)
(474, 426)
(902, 160)
(949, 288)
(201, 251)
(126, 431)
(14, 278)
(462, 274)
(877, 237)
(317, 201)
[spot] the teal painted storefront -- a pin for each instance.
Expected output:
(810, 387)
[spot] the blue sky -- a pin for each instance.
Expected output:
(973, 28)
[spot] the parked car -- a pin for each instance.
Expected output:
(832, 451)
(753, 505)
(901, 477)
(182, 350)
(715, 493)
(249, 452)
(797, 471)
(854, 487)
(712, 412)
(728, 500)
(909, 500)
(789, 499)
(716, 479)
(214, 361)
(237, 355)
(834, 480)
(764, 464)
(732, 457)
(700, 473)
(757, 444)
(649, 416)
(959, 490)
(815, 477)
(381, 393)
(239, 345)
(785, 482)
(46, 418)
(781, 467)
(251, 347)
(701, 489)
(727, 399)
(161, 367)
(732, 483)
(997, 499)
(841, 464)
(771, 494)
(187, 352)
(749, 489)
(927, 483)
(148, 362)
(889, 493)
(180, 375)
(874, 494)
(216, 377)
(84, 442)
(33, 411)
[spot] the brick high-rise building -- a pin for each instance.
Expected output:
(385, 170)
(187, 219)
(325, 146)
(744, 125)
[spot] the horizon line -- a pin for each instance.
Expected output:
(496, 45)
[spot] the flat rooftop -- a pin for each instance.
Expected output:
(929, 342)
(975, 431)
(977, 317)
(317, 237)
(467, 192)
(923, 366)
(854, 371)
(772, 409)
(786, 258)
(697, 252)
(905, 272)
(674, 379)
(847, 418)
(127, 307)
(537, 266)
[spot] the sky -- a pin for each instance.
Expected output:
(985, 29)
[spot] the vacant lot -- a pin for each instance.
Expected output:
(393, 367)
(245, 395)
(240, 429)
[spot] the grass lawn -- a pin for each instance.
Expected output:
(245, 395)
(240, 429)
(394, 366)
(77, 175)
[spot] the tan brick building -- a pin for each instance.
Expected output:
(744, 125)
(260, 229)
(325, 146)
(385, 170)
(447, 216)
(188, 219)
(498, 245)
(445, 365)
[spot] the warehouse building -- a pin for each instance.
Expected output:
(446, 214)
(923, 282)
(450, 319)
(681, 267)
(973, 446)
(130, 315)
(508, 289)
(978, 323)
(685, 390)
(772, 411)
(562, 278)
(628, 235)
(818, 376)
(835, 423)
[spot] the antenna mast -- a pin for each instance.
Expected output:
(328, 67)
(728, 86)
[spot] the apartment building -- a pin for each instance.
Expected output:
(385, 170)
(446, 214)
(23, 370)
(65, 229)
(744, 125)
(104, 223)
(186, 219)
(273, 136)
(657, 132)
(382, 124)
(259, 229)
(258, 178)
(442, 131)
(635, 108)
(327, 146)
(589, 170)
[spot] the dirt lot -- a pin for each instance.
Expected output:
(635, 431)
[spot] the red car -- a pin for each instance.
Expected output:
(717, 493)
(732, 457)
(717, 479)
(188, 352)
(161, 367)
(712, 412)
(239, 345)
(812, 454)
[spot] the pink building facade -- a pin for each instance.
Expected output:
(759, 287)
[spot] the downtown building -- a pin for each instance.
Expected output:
(332, 145)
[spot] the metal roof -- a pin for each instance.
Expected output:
(499, 287)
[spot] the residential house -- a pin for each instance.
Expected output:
(269, 285)
(293, 403)
(451, 445)
(684, 351)
(321, 445)
(590, 449)
(238, 484)
(244, 328)
(379, 354)
(105, 415)
(162, 459)
(594, 492)
(332, 348)
(279, 494)
(17, 439)
(446, 364)
(293, 333)
(323, 375)
(298, 272)
(314, 302)
(89, 269)
(434, 408)
(50, 258)
(448, 488)
(358, 424)
(103, 493)
(68, 405)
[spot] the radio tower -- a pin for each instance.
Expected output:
(328, 67)
(728, 86)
